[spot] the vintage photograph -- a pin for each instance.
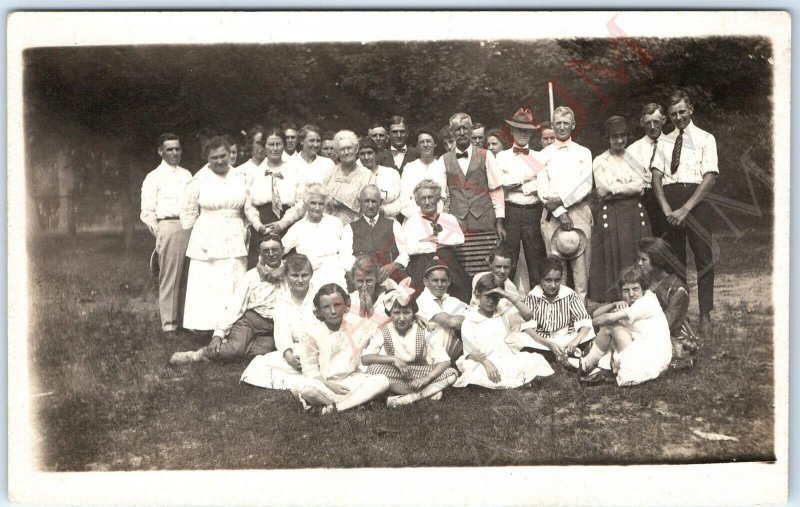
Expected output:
(270, 249)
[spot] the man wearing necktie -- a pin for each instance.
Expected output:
(681, 181)
(371, 234)
(475, 189)
(644, 152)
(399, 153)
(518, 167)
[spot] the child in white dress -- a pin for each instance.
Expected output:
(489, 361)
(414, 360)
(331, 355)
(637, 332)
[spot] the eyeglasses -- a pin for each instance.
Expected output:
(346, 149)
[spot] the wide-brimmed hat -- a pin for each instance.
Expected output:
(154, 267)
(523, 119)
(567, 245)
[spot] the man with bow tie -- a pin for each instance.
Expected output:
(399, 153)
(476, 193)
(644, 152)
(518, 167)
(564, 185)
(371, 234)
(681, 182)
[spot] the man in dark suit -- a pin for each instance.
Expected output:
(398, 154)
(371, 234)
(476, 193)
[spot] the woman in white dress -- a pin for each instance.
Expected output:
(294, 305)
(426, 167)
(312, 167)
(637, 332)
(215, 204)
(488, 359)
(317, 236)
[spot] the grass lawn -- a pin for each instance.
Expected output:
(105, 398)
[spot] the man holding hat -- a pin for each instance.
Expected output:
(564, 185)
(162, 192)
(518, 167)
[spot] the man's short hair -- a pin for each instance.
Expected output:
(167, 136)
(500, 251)
(372, 187)
(428, 184)
(397, 119)
(477, 126)
(377, 123)
(546, 125)
(651, 108)
(679, 95)
(562, 111)
(459, 117)
(288, 124)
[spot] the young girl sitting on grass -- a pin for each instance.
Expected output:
(489, 361)
(331, 356)
(635, 329)
(414, 361)
(659, 264)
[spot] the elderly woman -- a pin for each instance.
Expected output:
(273, 182)
(426, 167)
(312, 167)
(620, 219)
(387, 179)
(215, 202)
(344, 184)
(317, 236)
(428, 234)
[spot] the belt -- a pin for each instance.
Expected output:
(537, 205)
(684, 185)
(168, 218)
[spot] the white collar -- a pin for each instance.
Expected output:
(563, 291)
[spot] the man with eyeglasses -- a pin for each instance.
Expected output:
(399, 154)
(246, 328)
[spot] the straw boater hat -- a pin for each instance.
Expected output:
(523, 119)
(154, 267)
(567, 245)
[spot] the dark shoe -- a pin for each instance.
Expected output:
(600, 376)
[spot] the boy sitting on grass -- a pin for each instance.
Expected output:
(635, 330)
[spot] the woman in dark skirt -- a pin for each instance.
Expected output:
(620, 219)
(414, 360)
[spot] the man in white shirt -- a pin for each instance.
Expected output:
(246, 328)
(564, 186)
(644, 152)
(519, 167)
(681, 182)
(444, 313)
(475, 188)
(290, 130)
(162, 192)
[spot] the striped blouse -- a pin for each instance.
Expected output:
(564, 315)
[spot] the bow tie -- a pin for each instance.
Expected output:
(398, 152)
(372, 221)
(462, 155)
(524, 151)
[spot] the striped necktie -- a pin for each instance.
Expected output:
(676, 153)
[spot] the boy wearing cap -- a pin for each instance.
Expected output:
(564, 186)
(518, 167)
(162, 191)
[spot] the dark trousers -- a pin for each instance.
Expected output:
(522, 226)
(267, 216)
(250, 336)
(697, 231)
(658, 222)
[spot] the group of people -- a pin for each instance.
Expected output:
(338, 271)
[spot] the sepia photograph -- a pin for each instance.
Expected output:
(362, 258)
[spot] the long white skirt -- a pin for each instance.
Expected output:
(208, 289)
(271, 371)
(515, 369)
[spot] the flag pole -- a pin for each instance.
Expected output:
(550, 89)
